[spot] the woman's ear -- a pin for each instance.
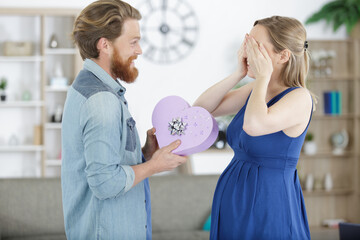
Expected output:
(284, 56)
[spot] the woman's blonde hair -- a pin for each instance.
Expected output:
(289, 33)
(103, 18)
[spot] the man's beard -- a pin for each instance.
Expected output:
(123, 70)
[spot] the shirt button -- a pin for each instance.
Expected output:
(121, 90)
(145, 201)
(145, 226)
(125, 102)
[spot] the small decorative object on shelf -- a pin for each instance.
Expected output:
(26, 95)
(3, 85)
(18, 48)
(220, 142)
(309, 182)
(322, 62)
(58, 79)
(339, 141)
(37, 135)
(13, 140)
(332, 223)
(310, 147)
(318, 184)
(57, 116)
(53, 42)
(332, 103)
(328, 182)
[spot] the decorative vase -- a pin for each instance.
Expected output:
(310, 147)
(309, 182)
(53, 42)
(13, 140)
(328, 182)
(2, 95)
(57, 116)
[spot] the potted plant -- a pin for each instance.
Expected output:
(3, 84)
(338, 13)
(310, 147)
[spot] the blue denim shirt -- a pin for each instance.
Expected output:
(99, 144)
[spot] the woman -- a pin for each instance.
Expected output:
(258, 196)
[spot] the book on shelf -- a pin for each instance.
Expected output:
(333, 103)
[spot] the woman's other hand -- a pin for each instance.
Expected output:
(151, 144)
(258, 59)
(242, 61)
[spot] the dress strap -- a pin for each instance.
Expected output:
(312, 110)
(280, 95)
(276, 98)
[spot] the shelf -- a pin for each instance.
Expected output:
(21, 104)
(53, 126)
(41, 64)
(331, 78)
(53, 162)
(60, 51)
(327, 155)
(320, 232)
(345, 191)
(334, 117)
(35, 11)
(22, 148)
(56, 89)
(212, 150)
(21, 59)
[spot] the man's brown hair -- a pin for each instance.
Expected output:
(103, 18)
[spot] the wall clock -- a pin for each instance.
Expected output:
(339, 140)
(169, 30)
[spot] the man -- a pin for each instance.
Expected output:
(104, 172)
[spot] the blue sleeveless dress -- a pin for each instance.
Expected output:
(258, 196)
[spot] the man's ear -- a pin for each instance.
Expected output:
(104, 45)
(284, 56)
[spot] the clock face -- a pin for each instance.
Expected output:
(169, 30)
(340, 139)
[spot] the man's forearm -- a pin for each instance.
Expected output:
(142, 171)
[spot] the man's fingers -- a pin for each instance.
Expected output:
(173, 145)
(183, 160)
(151, 132)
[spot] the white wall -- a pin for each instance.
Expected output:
(223, 25)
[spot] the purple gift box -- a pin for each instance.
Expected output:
(173, 118)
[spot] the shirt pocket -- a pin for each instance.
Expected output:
(131, 135)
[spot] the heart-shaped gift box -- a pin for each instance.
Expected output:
(173, 118)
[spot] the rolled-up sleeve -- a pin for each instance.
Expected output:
(100, 119)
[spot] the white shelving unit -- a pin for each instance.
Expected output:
(61, 51)
(53, 126)
(21, 104)
(23, 148)
(22, 59)
(342, 200)
(32, 74)
(53, 162)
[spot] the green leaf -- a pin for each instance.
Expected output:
(326, 11)
(338, 13)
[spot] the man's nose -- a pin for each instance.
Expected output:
(138, 50)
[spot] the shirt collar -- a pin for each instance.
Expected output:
(100, 73)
